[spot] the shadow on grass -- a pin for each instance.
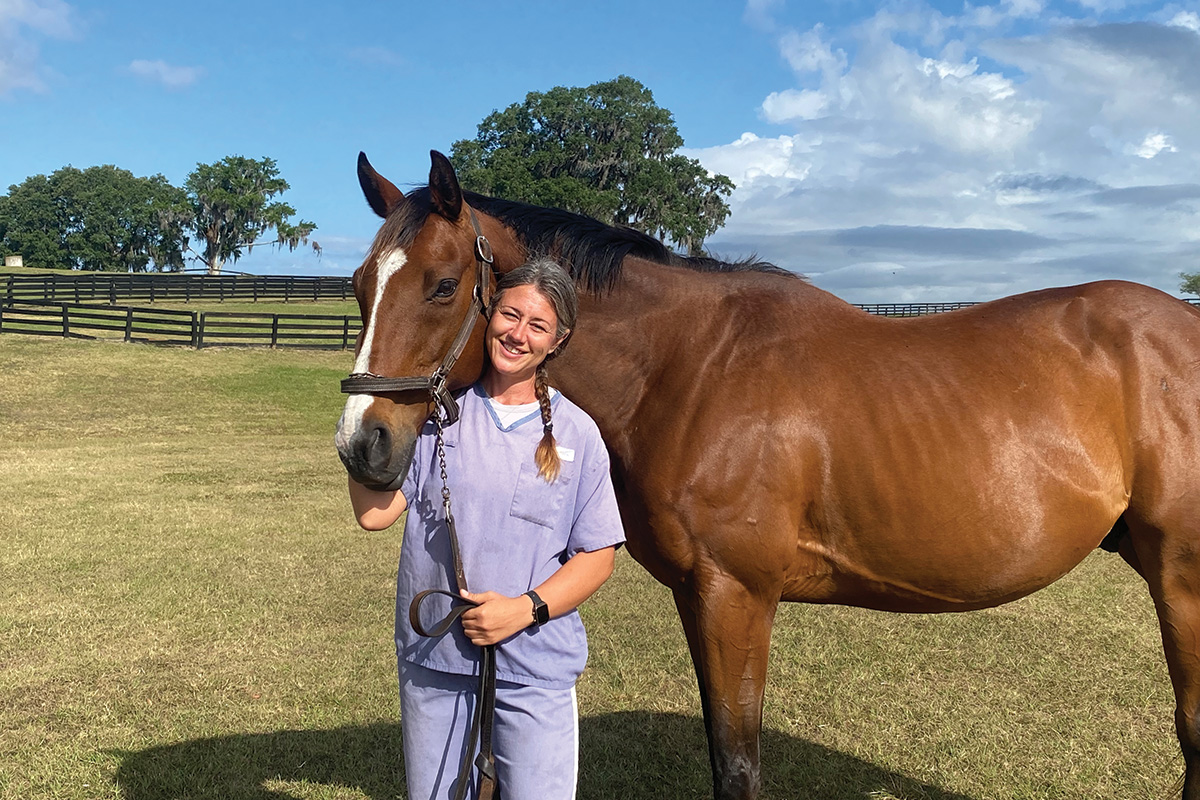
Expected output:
(627, 754)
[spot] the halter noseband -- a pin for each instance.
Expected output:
(435, 383)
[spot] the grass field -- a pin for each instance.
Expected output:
(188, 611)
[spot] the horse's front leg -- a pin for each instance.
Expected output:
(728, 630)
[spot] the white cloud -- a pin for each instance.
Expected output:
(22, 24)
(792, 104)
(751, 159)
(808, 52)
(928, 157)
(1186, 19)
(170, 76)
(1154, 144)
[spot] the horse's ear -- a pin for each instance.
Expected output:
(443, 187)
(381, 193)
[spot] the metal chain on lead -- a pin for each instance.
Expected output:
(441, 454)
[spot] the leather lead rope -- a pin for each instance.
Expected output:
(485, 706)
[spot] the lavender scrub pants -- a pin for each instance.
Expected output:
(535, 736)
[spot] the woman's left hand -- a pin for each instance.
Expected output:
(496, 618)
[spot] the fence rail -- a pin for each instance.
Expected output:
(187, 328)
(71, 287)
(225, 328)
(911, 309)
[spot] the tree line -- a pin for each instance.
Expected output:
(606, 150)
(108, 219)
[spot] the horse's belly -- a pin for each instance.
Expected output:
(937, 567)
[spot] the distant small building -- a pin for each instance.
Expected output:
(14, 261)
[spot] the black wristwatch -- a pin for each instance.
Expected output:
(541, 612)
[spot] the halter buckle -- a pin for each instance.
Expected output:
(483, 249)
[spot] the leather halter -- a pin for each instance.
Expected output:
(435, 383)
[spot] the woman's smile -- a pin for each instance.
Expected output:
(521, 333)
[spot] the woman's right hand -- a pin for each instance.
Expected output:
(375, 510)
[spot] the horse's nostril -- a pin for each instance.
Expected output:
(376, 449)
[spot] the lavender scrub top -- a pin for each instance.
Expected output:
(515, 530)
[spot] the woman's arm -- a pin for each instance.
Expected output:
(375, 510)
(498, 617)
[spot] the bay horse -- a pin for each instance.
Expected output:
(771, 442)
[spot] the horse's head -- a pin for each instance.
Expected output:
(417, 291)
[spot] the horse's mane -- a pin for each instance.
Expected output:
(592, 251)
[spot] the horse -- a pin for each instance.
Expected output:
(770, 442)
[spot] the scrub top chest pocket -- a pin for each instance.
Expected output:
(540, 502)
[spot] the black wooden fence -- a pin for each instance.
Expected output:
(78, 287)
(187, 328)
(226, 328)
(911, 309)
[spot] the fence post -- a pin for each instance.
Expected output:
(9, 293)
(66, 321)
(274, 330)
(200, 332)
(195, 331)
(345, 332)
(129, 323)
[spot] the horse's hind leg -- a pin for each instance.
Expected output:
(728, 630)
(1170, 562)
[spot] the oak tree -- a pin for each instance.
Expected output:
(231, 208)
(605, 150)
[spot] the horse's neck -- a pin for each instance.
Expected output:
(626, 339)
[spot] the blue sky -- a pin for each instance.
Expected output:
(908, 151)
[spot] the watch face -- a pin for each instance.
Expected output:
(541, 612)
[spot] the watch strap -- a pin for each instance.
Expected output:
(541, 612)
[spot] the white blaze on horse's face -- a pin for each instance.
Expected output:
(357, 404)
(388, 267)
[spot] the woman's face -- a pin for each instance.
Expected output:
(521, 332)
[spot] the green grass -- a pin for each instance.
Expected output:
(188, 611)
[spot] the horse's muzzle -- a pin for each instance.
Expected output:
(374, 457)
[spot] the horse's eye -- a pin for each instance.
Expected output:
(446, 288)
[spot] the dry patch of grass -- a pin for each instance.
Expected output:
(188, 611)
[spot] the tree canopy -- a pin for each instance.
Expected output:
(99, 218)
(105, 218)
(1190, 283)
(605, 150)
(230, 203)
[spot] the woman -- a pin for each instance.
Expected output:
(538, 525)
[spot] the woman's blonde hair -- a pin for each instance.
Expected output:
(553, 283)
